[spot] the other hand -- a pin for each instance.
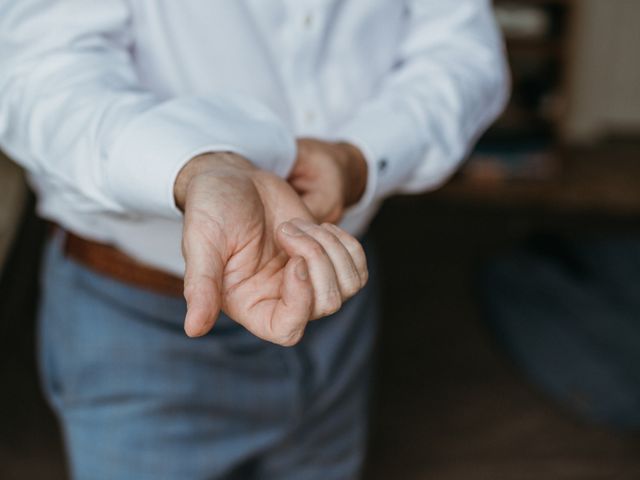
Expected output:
(330, 177)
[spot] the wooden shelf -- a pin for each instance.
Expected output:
(539, 65)
(604, 180)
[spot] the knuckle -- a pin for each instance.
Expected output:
(314, 250)
(285, 333)
(189, 288)
(356, 248)
(364, 276)
(291, 339)
(334, 306)
(330, 304)
(326, 236)
(352, 288)
(352, 244)
(328, 239)
(350, 283)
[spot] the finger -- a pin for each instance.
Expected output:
(284, 304)
(327, 297)
(294, 310)
(344, 266)
(355, 250)
(202, 285)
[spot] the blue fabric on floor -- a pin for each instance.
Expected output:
(569, 313)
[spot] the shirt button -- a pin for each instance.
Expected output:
(308, 21)
(309, 117)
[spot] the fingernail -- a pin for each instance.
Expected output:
(302, 272)
(290, 229)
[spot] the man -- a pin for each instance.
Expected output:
(150, 124)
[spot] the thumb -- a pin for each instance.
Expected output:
(202, 285)
(294, 310)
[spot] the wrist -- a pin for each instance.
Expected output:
(206, 164)
(355, 166)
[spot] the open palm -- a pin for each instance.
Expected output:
(252, 249)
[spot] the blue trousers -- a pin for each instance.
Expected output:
(137, 399)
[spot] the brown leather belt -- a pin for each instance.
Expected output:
(111, 262)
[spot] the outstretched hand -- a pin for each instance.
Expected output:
(254, 250)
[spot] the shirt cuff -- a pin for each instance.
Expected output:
(388, 135)
(145, 160)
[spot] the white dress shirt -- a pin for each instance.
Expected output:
(103, 101)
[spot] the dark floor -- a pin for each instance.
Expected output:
(448, 404)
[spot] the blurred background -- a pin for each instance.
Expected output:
(510, 345)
